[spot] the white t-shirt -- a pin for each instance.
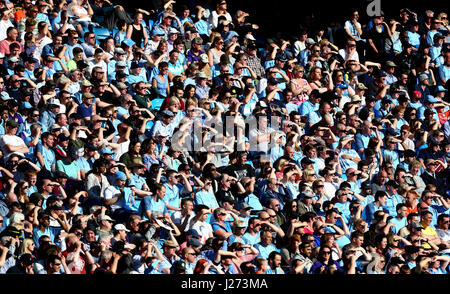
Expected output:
(203, 229)
(110, 193)
(13, 141)
(3, 27)
(122, 149)
(344, 54)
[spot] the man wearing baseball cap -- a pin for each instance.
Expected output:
(164, 124)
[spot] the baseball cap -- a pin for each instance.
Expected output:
(120, 227)
(86, 83)
(157, 32)
(310, 41)
(179, 265)
(423, 77)
(121, 63)
(366, 186)
(87, 96)
(136, 65)
(361, 86)
(201, 75)
(120, 51)
(390, 64)
(11, 123)
(430, 99)
(281, 57)
(440, 89)
(13, 59)
(245, 206)
(119, 176)
(356, 98)
(61, 174)
(106, 150)
(417, 226)
(167, 113)
(5, 96)
(204, 58)
(250, 37)
(192, 233)
(173, 30)
(306, 194)
(106, 217)
(121, 85)
(194, 242)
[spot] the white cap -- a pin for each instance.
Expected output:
(204, 58)
(120, 227)
(173, 30)
(250, 37)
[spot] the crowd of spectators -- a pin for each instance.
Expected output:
(127, 145)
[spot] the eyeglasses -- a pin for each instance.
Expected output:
(326, 252)
(25, 187)
(273, 216)
(57, 264)
(351, 45)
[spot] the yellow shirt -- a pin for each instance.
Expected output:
(428, 232)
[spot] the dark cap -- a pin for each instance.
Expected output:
(306, 194)
(417, 226)
(194, 242)
(60, 174)
(90, 146)
(245, 206)
(11, 123)
(366, 185)
(179, 265)
(281, 57)
(433, 141)
(167, 113)
(192, 233)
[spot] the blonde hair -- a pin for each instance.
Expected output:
(24, 246)
(308, 172)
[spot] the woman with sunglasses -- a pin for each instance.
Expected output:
(324, 261)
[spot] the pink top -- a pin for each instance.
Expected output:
(4, 46)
